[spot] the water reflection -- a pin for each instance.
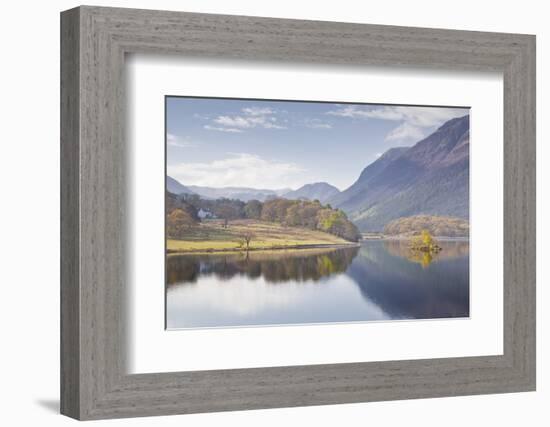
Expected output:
(451, 249)
(379, 280)
(274, 266)
(404, 288)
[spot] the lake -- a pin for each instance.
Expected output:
(380, 280)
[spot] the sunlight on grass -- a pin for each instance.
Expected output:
(212, 236)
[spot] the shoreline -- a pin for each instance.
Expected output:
(402, 238)
(272, 248)
(307, 246)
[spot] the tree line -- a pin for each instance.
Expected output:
(436, 225)
(183, 212)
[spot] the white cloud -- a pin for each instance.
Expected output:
(317, 124)
(356, 112)
(257, 111)
(405, 132)
(175, 141)
(235, 121)
(239, 169)
(251, 117)
(248, 122)
(416, 116)
(222, 129)
(272, 125)
(416, 122)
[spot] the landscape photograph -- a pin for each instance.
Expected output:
(306, 212)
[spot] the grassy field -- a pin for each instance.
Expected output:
(211, 236)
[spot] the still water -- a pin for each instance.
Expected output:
(381, 280)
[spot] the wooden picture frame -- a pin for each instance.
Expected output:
(94, 382)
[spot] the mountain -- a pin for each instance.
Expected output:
(317, 191)
(241, 193)
(352, 197)
(173, 186)
(430, 178)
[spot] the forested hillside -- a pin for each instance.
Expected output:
(436, 225)
(186, 211)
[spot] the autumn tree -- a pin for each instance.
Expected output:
(425, 242)
(178, 202)
(293, 217)
(228, 210)
(275, 210)
(427, 238)
(308, 214)
(178, 222)
(335, 222)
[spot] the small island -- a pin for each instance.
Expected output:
(424, 243)
(418, 236)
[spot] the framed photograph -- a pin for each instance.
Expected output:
(263, 213)
(291, 212)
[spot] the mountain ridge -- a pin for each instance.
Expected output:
(175, 187)
(430, 177)
(242, 193)
(321, 191)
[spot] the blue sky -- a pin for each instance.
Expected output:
(281, 144)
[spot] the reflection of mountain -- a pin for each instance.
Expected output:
(274, 266)
(405, 290)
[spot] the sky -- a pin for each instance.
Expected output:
(286, 144)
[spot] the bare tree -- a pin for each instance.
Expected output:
(248, 238)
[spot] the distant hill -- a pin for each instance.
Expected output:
(437, 225)
(431, 177)
(241, 193)
(173, 186)
(321, 191)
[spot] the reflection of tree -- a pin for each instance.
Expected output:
(422, 258)
(244, 241)
(274, 266)
(451, 249)
(181, 271)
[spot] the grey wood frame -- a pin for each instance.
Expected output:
(94, 41)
